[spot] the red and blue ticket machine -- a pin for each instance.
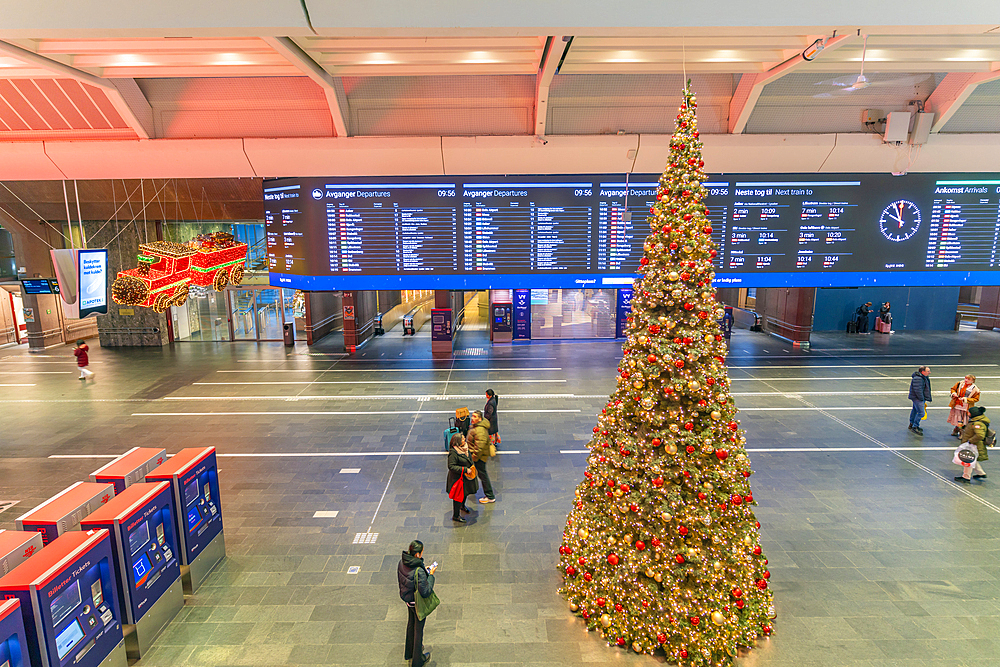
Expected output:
(194, 477)
(129, 468)
(147, 564)
(68, 602)
(16, 547)
(64, 511)
(13, 647)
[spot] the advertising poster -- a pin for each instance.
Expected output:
(441, 324)
(624, 310)
(93, 281)
(522, 313)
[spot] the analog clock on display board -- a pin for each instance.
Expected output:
(900, 220)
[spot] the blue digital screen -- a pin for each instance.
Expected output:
(64, 603)
(191, 491)
(141, 567)
(138, 538)
(68, 638)
(588, 230)
(194, 518)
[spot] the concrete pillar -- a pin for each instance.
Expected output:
(989, 308)
(136, 326)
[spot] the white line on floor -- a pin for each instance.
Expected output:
(813, 409)
(821, 354)
(326, 514)
(822, 450)
(17, 385)
(287, 455)
(396, 370)
(33, 361)
(866, 366)
(853, 378)
(350, 471)
(843, 393)
(330, 412)
(36, 372)
(372, 397)
(279, 382)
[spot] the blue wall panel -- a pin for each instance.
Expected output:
(913, 308)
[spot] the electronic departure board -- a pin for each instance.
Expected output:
(771, 230)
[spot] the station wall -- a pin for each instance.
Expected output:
(913, 308)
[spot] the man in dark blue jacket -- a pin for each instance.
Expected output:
(920, 393)
(413, 562)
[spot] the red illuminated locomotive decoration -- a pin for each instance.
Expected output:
(167, 271)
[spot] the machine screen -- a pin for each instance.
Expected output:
(141, 568)
(194, 518)
(191, 491)
(98, 593)
(69, 638)
(65, 603)
(138, 538)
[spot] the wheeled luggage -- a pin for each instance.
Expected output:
(450, 431)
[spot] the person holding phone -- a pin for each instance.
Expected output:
(412, 561)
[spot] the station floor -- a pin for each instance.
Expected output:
(877, 557)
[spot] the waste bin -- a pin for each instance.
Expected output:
(379, 330)
(289, 333)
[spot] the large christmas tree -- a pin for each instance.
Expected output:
(661, 549)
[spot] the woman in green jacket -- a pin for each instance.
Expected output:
(975, 433)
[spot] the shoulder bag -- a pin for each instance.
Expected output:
(424, 605)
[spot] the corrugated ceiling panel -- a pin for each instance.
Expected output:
(238, 107)
(820, 103)
(12, 96)
(634, 103)
(85, 104)
(40, 104)
(56, 95)
(107, 109)
(980, 113)
(440, 105)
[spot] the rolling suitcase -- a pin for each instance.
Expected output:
(448, 432)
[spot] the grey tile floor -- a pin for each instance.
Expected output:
(877, 557)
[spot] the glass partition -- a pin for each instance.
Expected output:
(573, 313)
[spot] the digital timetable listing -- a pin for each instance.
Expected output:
(570, 230)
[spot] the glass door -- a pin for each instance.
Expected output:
(202, 317)
(269, 314)
(242, 303)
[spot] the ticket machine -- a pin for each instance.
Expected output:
(194, 478)
(64, 511)
(13, 647)
(502, 322)
(146, 563)
(16, 547)
(129, 468)
(68, 602)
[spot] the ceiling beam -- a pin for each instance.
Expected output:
(752, 85)
(305, 64)
(551, 56)
(952, 93)
(124, 94)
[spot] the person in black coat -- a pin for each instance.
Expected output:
(490, 414)
(862, 317)
(412, 562)
(459, 462)
(920, 393)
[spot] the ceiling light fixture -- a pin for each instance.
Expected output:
(811, 51)
(479, 57)
(862, 80)
(380, 59)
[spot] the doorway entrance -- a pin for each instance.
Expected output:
(245, 313)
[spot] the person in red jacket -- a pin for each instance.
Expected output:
(82, 359)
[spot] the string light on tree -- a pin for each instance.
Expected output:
(661, 551)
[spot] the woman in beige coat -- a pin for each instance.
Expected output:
(964, 394)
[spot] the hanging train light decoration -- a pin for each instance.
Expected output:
(167, 271)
